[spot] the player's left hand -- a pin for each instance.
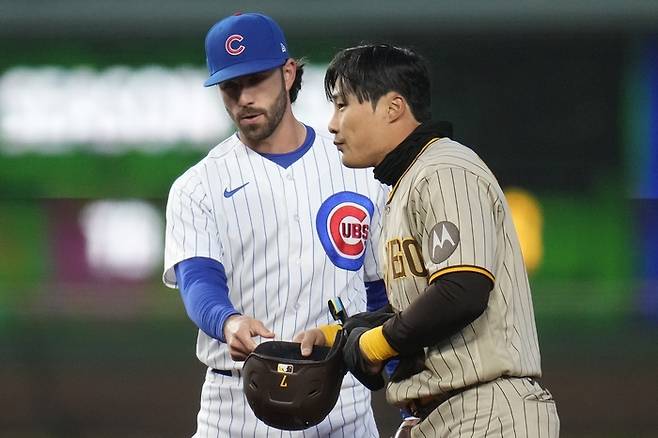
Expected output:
(239, 331)
(308, 339)
(366, 372)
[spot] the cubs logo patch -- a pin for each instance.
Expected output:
(233, 46)
(343, 225)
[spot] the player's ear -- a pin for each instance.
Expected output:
(396, 106)
(289, 70)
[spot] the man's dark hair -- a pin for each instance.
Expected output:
(297, 84)
(370, 71)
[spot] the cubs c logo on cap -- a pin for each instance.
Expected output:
(343, 225)
(232, 45)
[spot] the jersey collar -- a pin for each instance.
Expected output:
(396, 162)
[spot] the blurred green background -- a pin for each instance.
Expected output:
(101, 108)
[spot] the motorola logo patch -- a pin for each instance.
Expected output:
(444, 238)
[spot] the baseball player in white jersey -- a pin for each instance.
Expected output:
(265, 229)
(461, 319)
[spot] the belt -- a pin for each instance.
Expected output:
(228, 373)
(423, 406)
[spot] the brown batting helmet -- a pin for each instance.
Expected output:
(291, 392)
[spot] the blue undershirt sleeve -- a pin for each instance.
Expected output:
(376, 295)
(204, 290)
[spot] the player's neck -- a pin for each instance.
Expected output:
(397, 133)
(287, 137)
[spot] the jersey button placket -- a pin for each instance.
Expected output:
(294, 241)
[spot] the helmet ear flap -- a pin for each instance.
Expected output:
(288, 391)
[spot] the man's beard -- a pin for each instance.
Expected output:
(273, 116)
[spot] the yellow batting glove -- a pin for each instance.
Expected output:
(375, 347)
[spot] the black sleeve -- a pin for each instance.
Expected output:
(369, 319)
(446, 306)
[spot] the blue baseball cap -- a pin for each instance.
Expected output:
(243, 44)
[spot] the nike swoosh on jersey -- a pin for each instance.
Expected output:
(228, 193)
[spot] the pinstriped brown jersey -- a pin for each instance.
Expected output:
(448, 213)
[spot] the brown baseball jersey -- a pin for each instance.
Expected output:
(447, 213)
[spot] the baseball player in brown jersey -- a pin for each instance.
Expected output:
(461, 319)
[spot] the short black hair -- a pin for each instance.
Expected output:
(370, 71)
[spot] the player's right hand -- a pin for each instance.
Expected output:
(239, 331)
(369, 374)
(308, 339)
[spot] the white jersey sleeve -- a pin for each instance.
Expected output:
(372, 266)
(191, 225)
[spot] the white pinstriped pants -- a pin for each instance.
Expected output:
(225, 413)
(506, 407)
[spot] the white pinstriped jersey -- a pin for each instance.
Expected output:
(260, 221)
(290, 239)
(448, 213)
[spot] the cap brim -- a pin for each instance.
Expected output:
(242, 69)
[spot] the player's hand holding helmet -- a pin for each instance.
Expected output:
(403, 367)
(239, 332)
(289, 391)
(369, 375)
